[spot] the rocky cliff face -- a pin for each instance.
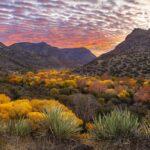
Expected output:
(129, 58)
(35, 56)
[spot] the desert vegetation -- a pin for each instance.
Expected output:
(59, 106)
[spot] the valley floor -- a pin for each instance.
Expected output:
(59, 110)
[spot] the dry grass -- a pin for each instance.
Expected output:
(14, 143)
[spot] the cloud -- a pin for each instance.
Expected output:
(96, 24)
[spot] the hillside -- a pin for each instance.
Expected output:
(35, 56)
(129, 58)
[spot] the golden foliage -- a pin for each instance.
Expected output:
(54, 91)
(41, 105)
(21, 108)
(6, 111)
(107, 82)
(84, 136)
(123, 94)
(33, 111)
(36, 116)
(70, 114)
(4, 99)
(56, 80)
(36, 119)
(15, 78)
(146, 83)
(97, 87)
(111, 91)
(89, 126)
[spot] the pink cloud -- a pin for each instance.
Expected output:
(69, 23)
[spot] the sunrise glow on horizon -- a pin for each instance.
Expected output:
(95, 24)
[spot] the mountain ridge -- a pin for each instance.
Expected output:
(37, 56)
(129, 58)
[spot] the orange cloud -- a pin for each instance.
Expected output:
(96, 25)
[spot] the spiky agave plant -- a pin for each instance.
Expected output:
(60, 126)
(119, 123)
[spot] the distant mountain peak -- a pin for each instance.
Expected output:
(139, 30)
(42, 44)
(36, 56)
(2, 45)
(137, 33)
(130, 58)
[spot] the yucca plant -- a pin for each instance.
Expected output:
(19, 127)
(2, 127)
(59, 127)
(144, 129)
(119, 123)
(22, 128)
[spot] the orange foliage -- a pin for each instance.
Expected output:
(97, 87)
(143, 94)
(4, 99)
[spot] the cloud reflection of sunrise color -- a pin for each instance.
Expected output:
(96, 24)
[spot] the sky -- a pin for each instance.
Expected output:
(95, 24)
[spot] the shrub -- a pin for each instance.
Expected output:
(69, 83)
(36, 116)
(97, 88)
(117, 124)
(84, 136)
(36, 119)
(111, 92)
(4, 99)
(132, 82)
(126, 96)
(89, 126)
(123, 94)
(61, 125)
(101, 100)
(107, 96)
(15, 109)
(15, 79)
(50, 83)
(84, 105)
(108, 83)
(41, 105)
(146, 83)
(81, 83)
(54, 92)
(38, 105)
(21, 108)
(106, 108)
(115, 100)
(143, 94)
(16, 93)
(64, 99)
(66, 91)
(6, 111)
